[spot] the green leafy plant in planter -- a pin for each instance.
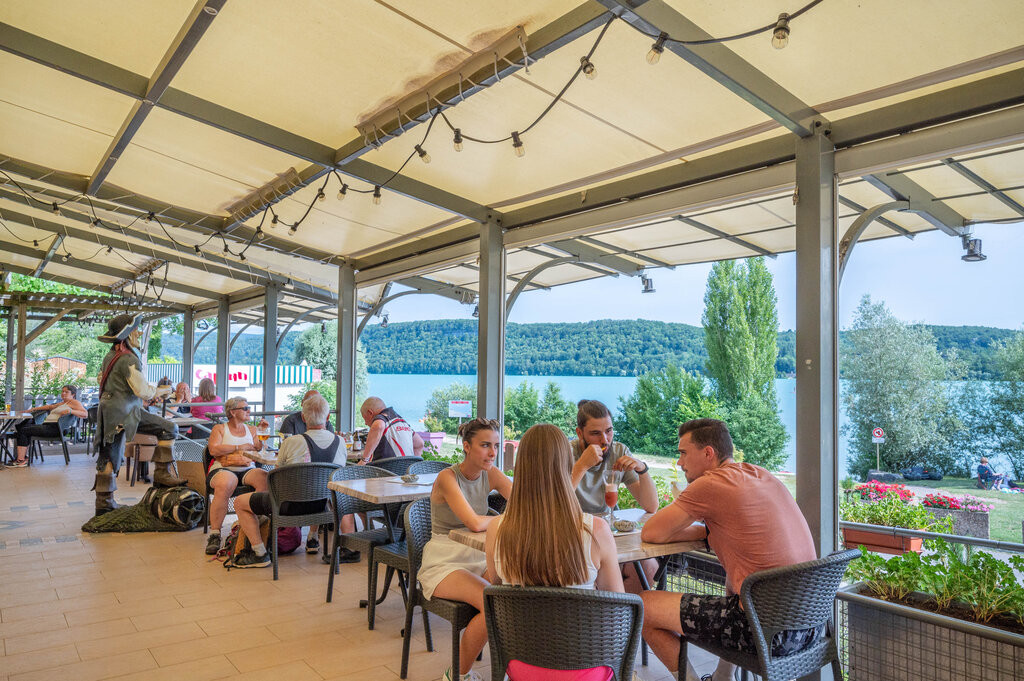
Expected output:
(891, 511)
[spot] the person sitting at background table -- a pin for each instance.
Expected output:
(544, 538)
(595, 450)
(24, 432)
(390, 435)
(751, 522)
(318, 445)
(295, 424)
(207, 393)
(229, 466)
(459, 500)
(181, 398)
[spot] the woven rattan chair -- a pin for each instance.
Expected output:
(417, 534)
(428, 467)
(798, 596)
(294, 484)
(207, 491)
(396, 465)
(580, 629)
(363, 540)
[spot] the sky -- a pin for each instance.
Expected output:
(920, 280)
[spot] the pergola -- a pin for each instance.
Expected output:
(261, 161)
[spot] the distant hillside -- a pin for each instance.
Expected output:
(598, 348)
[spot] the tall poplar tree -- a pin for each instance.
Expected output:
(741, 326)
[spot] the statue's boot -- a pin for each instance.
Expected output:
(106, 483)
(164, 473)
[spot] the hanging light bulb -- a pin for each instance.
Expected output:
(517, 145)
(424, 156)
(260, 234)
(323, 327)
(273, 220)
(342, 192)
(35, 242)
(376, 195)
(458, 140)
(588, 68)
(65, 257)
(195, 247)
(320, 196)
(110, 249)
(654, 56)
(56, 208)
(241, 256)
(226, 249)
(294, 228)
(149, 216)
(96, 222)
(780, 36)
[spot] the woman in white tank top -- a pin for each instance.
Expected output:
(544, 538)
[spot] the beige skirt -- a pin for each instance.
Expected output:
(443, 556)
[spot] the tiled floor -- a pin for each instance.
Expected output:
(81, 607)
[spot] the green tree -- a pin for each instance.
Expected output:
(318, 347)
(895, 380)
(522, 408)
(437, 419)
(557, 410)
(1006, 415)
(741, 332)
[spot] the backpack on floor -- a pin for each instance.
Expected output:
(237, 542)
(288, 539)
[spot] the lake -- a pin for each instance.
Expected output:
(408, 394)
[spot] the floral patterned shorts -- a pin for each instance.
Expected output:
(719, 620)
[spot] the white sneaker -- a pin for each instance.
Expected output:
(471, 675)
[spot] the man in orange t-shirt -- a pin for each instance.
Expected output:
(751, 522)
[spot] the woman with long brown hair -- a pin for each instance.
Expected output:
(544, 538)
(459, 500)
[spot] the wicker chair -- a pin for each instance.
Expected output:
(207, 491)
(396, 465)
(363, 540)
(428, 467)
(301, 482)
(800, 596)
(418, 530)
(580, 629)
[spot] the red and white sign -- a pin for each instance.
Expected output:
(460, 409)
(877, 436)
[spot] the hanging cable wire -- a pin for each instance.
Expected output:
(737, 36)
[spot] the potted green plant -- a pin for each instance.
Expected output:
(950, 613)
(891, 510)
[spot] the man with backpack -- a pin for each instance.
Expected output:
(317, 445)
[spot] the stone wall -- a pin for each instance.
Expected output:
(965, 523)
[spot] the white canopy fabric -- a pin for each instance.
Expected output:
(117, 109)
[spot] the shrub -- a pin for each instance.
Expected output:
(956, 503)
(892, 511)
(876, 491)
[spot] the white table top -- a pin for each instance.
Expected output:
(627, 544)
(389, 490)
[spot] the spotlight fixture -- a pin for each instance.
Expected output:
(376, 195)
(654, 56)
(424, 156)
(476, 311)
(320, 196)
(342, 192)
(517, 145)
(457, 140)
(780, 36)
(588, 68)
(648, 284)
(384, 321)
(973, 248)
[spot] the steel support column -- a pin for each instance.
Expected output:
(346, 376)
(187, 348)
(270, 297)
(817, 381)
(9, 356)
(490, 365)
(19, 369)
(223, 345)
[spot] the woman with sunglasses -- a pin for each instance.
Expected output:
(230, 467)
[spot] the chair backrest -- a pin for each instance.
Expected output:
(92, 413)
(428, 467)
(65, 421)
(345, 503)
(417, 533)
(797, 596)
(396, 465)
(300, 482)
(581, 628)
(186, 449)
(496, 502)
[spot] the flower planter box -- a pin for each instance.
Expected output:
(965, 523)
(433, 438)
(881, 542)
(894, 642)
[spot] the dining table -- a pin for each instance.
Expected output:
(8, 422)
(389, 490)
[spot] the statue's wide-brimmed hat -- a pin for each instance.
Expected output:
(119, 327)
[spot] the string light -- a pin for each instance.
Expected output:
(226, 249)
(110, 249)
(588, 68)
(274, 221)
(517, 145)
(56, 208)
(35, 242)
(342, 192)
(198, 251)
(320, 196)
(149, 216)
(780, 36)
(95, 222)
(65, 257)
(260, 234)
(376, 195)
(654, 56)
(241, 257)
(424, 156)
(294, 228)
(457, 141)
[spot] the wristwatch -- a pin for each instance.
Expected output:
(646, 468)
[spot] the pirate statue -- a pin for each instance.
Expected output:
(121, 414)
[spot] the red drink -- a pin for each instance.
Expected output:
(611, 497)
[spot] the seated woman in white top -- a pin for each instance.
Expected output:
(68, 404)
(544, 538)
(230, 467)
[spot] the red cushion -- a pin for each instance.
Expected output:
(520, 671)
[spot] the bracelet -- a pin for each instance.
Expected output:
(644, 471)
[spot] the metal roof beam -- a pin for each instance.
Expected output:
(623, 251)
(725, 235)
(188, 37)
(582, 265)
(596, 255)
(982, 183)
(458, 293)
(718, 62)
(885, 221)
(901, 188)
(57, 241)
